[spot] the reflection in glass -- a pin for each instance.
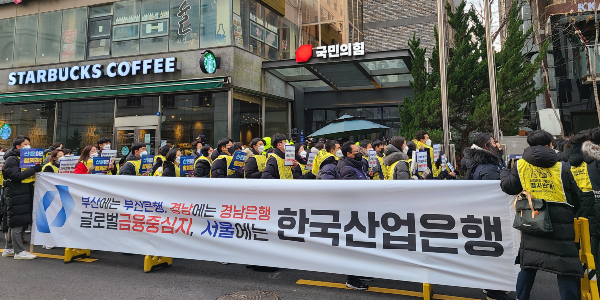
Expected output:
(257, 32)
(276, 117)
(101, 11)
(33, 120)
(331, 33)
(99, 48)
(74, 28)
(215, 26)
(48, 42)
(154, 10)
(82, 123)
(7, 41)
(246, 119)
(25, 40)
(126, 12)
(126, 32)
(257, 47)
(154, 45)
(188, 115)
(184, 34)
(137, 106)
(100, 28)
(125, 48)
(154, 28)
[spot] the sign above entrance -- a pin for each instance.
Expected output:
(208, 62)
(304, 52)
(124, 68)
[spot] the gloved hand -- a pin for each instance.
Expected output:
(38, 168)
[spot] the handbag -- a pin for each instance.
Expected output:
(532, 215)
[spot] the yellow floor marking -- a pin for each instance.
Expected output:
(61, 257)
(379, 290)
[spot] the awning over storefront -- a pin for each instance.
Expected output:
(119, 90)
(370, 71)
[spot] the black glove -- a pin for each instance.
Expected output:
(38, 168)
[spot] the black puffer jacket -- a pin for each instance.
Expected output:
(555, 252)
(169, 169)
(590, 209)
(401, 170)
(129, 168)
(271, 170)
(202, 169)
(476, 156)
(18, 195)
(350, 168)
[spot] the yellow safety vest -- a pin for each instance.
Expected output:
(52, 165)
(389, 174)
(542, 183)
(137, 164)
(582, 178)
(285, 172)
(26, 180)
(261, 161)
(161, 157)
(303, 168)
(434, 169)
(317, 161)
(384, 169)
(228, 159)
(204, 158)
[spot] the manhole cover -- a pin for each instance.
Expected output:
(251, 295)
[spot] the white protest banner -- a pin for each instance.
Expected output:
(465, 241)
(372, 158)
(421, 161)
(290, 155)
(309, 161)
(67, 164)
(437, 148)
(109, 153)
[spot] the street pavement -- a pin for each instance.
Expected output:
(118, 276)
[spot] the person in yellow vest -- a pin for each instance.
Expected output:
(104, 144)
(379, 147)
(18, 193)
(220, 165)
(53, 166)
(171, 165)
(423, 143)
(301, 158)
(397, 162)
(255, 160)
(275, 167)
(134, 161)
(328, 165)
(268, 145)
(320, 150)
(203, 163)
(544, 177)
(160, 159)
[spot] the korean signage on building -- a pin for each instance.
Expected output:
(113, 69)
(305, 52)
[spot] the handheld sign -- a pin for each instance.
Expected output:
(421, 161)
(413, 163)
(437, 148)
(186, 165)
(31, 157)
(309, 161)
(67, 164)
(515, 156)
(372, 158)
(450, 167)
(290, 155)
(238, 161)
(444, 162)
(110, 154)
(2, 160)
(100, 165)
(147, 162)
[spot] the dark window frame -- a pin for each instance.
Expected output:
(103, 37)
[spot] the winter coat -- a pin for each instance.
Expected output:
(587, 155)
(127, 168)
(251, 168)
(219, 168)
(401, 170)
(475, 156)
(554, 252)
(81, 168)
(169, 169)
(349, 168)
(202, 169)
(329, 169)
(18, 195)
(271, 170)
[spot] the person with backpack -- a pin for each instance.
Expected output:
(480, 161)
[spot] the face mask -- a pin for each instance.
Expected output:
(261, 149)
(231, 150)
(26, 147)
(143, 153)
(428, 142)
(405, 150)
(94, 155)
(339, 153)
(358, 157)
(178, 159)
(303, 154)
(106, 147)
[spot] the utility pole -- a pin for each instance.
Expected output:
(443, 86)
(491, 70)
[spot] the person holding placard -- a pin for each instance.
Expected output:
(170, 168)
(443, 164)
(134, 161)
(105, 151)
(18, 193)
(203, 163)
(276, 167)
(397, 163)
(220, 166)
(423, 143)
(302, 159)
(255, 160)
(53, 165)
(83, 167)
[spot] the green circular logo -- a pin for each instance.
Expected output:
(208, 63)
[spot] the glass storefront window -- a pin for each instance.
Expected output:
(74, 34)
(127, 12)
(137, 106)
(33, 120)
(154, 10)
(257, 47)
(101, 11)
(48, 40)
(154, 45)
(276, 117)
(215, 26)
(157, 28)
(247, 118)
(184, 31)
(187, 116)
(82, 123)
(125, 48)
(126, 32)
(25, 40)
(100, 28)
(7, 42)
(256, 13)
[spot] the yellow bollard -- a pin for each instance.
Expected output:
(152, 263)
(589, 286)
(73, 253)
(427, 291)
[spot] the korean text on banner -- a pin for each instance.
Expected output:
(238, 161)
(100, 165)
(372, 158)
(444, 161)
(67, 164)
(31, 157)
(146, 165)
(290, 155)
(430, 240)
(109, 153)
(421, 161)
(437, 148)
(310, 160)
(186, 165)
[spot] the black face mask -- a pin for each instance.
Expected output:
(231, 150)
(358, 157)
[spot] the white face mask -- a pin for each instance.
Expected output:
(339, 153)
(178, 159)
(26, 147)
(303, 154)
(261, 149)
(143, 153)
(94, 154)
(405, 150)
(106, 147)
(428, 142)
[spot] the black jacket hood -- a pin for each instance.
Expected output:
(481, 156)
(392, 155)
(12, 152)
(540, 156)
(574, 155)
(351, 162)
(329, 160)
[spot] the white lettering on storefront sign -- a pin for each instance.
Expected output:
(113, 69)
(339, 50)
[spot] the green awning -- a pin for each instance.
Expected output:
(118, 90)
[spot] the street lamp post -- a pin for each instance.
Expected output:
(491, 70)
(443, 86)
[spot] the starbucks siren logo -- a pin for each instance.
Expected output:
(5, 132)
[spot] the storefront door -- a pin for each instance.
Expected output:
(126, 136)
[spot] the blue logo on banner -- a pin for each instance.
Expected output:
(5, 132)
(68, 204)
